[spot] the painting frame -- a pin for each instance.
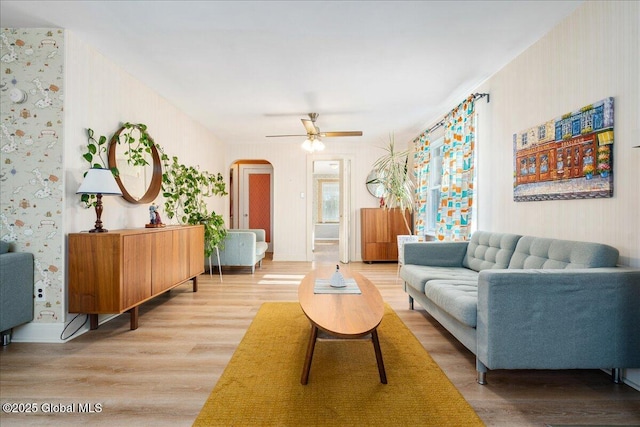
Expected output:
(569, 157)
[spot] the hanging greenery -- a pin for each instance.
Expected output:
(93, 155)
(184, 188)
(137, 141)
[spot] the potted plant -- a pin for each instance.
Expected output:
(393, 176)
(588, 170)
(604, 154)
(185, 189)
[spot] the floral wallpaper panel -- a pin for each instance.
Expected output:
(31, 165)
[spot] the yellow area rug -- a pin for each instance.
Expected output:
(261, 383)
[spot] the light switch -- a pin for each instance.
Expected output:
(302, 195)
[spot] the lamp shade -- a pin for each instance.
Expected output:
(99, 181)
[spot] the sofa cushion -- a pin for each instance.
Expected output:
(490, 250)
(538, 252)
(459, 298)
(417, 275)
(4, 247)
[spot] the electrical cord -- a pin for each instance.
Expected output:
(62, 337)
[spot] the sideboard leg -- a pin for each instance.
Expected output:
(134, 318)
(93, 321)
(410, 303)
(195, 284)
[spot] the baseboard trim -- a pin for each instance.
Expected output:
(38, 333)
(626, 380)
(50, 332)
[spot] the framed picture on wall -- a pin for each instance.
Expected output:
(569, 157)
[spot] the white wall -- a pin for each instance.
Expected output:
(591, 55)
(292, 176)
(101, 95)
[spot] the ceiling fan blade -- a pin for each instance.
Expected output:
(341, 133)
(282, 136)
(310, 126)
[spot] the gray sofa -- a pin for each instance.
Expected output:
(242, 248)
(523, 302)
(16, 290)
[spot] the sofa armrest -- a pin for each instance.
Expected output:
(559, 319)
(437, 254)
(239, 249)
(16, 289)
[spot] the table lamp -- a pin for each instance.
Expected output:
(99, 182)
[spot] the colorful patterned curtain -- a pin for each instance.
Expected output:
(421, 160)
(453, 222)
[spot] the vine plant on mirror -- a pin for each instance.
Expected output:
(93, 155)
(184, 188)
(139, 180)
(136, 145)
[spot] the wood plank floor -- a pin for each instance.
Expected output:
(162, 373)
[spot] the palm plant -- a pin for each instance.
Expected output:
(392, 174)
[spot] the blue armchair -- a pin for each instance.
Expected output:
(242, 247)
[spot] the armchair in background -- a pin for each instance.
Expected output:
(241, 248)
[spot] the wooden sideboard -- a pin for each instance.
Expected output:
(117, 271)
(379, 229)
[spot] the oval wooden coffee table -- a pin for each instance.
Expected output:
(341, 315)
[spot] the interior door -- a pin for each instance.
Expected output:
(256, 206)
(345, 209)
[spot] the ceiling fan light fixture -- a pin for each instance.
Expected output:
(307, 145)
(312, 144)
(317, 145)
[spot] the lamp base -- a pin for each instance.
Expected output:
(99, 230)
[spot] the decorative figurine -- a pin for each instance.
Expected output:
(337, 280)
(152, 214)
(154, 217)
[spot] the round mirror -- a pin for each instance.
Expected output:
(133, 152)
(373, 185)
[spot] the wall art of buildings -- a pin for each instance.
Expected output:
(570, 157)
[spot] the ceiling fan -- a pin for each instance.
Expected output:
(313, 132)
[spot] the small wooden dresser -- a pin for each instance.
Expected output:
(379, 229)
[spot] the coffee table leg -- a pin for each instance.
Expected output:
(307, 360)
(376, 346)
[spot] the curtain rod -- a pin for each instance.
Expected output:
(475, 97)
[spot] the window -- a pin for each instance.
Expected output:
(435, 180)
(329, 200)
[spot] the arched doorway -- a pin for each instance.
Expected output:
(251, 196)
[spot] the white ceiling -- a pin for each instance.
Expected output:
(250, 69)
